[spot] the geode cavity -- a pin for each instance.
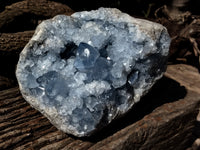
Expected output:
(83, 71)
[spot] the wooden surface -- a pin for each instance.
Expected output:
(14, 42)
(25, 14)
(164, 119)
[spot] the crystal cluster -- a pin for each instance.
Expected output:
(83, 71)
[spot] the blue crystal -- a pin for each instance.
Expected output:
(133, 77)
(54, 84)
(86, 57)
(100, 70)
(45, 78)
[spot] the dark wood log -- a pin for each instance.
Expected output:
(5, 83)
(186, 75)
(11, 44)
(168, 126)
(14, 42)
(184, 29)
(30, 12)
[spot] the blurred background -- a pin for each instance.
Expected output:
(133, 7)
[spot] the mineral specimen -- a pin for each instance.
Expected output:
(85, 70)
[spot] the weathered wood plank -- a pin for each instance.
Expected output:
(167, 125)
(28, 9)
(23, 127)
(5, 83)
(186, 75)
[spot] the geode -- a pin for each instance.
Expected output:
(85, 70)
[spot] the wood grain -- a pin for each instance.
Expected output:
(168, 126)
(30, 10)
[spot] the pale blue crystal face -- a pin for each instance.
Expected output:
(86, 57)
(100, 70)
(93, 62)
(85, 70)
(133, 77)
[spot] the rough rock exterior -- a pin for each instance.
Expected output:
(83, 71)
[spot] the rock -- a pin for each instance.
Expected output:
(86, 70)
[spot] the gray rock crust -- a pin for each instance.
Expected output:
(85, 70)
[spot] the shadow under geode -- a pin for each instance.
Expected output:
(164, 91)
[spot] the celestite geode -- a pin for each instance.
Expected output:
(83, 71)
